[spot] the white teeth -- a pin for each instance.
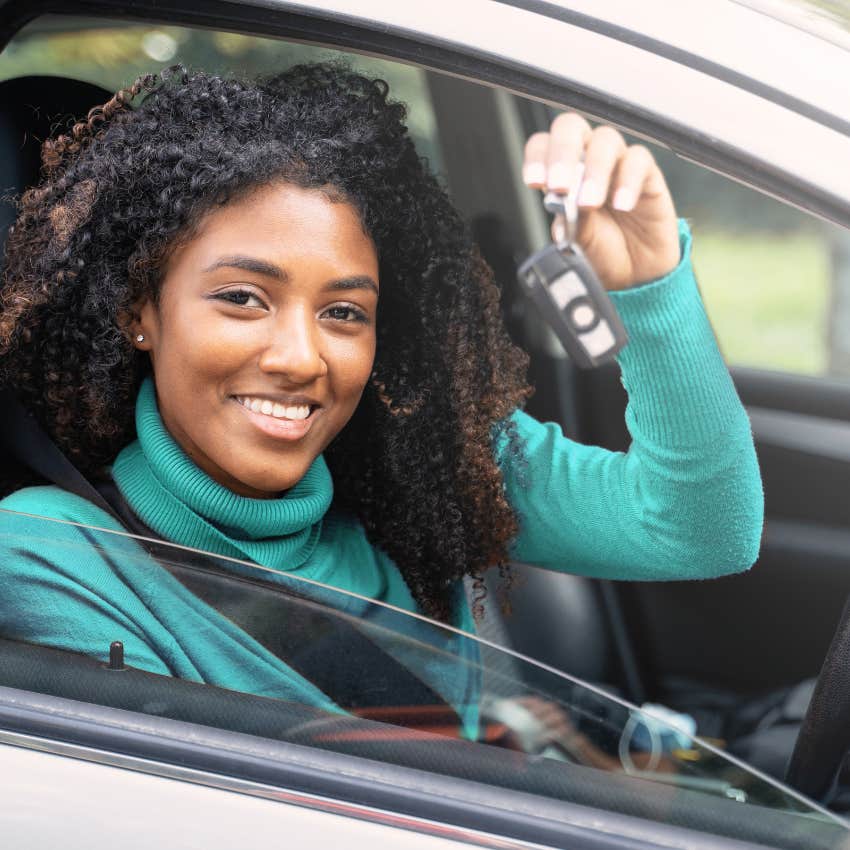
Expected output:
(270, 408)
(302, 411)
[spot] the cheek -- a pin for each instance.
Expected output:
(353, 363)
(197, 346)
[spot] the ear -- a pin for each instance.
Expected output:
(140, 324)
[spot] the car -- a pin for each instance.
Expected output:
(744, 104)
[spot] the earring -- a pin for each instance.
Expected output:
(140, 338)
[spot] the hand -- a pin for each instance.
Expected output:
(627, 221)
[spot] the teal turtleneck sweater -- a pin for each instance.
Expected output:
(684, 502)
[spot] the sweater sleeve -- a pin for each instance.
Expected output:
(59, 586)
(685, 501)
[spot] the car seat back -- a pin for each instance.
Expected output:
(31, 110)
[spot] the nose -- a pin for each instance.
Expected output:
(293, 349)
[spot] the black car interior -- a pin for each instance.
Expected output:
(698, 647)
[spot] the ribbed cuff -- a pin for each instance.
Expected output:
(679, 387)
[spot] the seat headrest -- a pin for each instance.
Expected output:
(31, 110)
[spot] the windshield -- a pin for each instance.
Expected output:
(355, 671)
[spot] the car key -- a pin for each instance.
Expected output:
(560, 280)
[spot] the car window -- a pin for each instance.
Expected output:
(410, 673)
(775, 280)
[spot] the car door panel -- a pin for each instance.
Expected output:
(771, 626)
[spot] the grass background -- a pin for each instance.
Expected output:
(768, 297)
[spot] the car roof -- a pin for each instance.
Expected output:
(754, 43)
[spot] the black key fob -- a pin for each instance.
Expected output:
(573, 302)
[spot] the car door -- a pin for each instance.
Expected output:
(560, 763)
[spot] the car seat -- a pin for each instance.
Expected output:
(31, 110)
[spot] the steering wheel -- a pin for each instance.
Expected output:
(824, 737)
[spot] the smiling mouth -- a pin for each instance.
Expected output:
(265, 407)
(288, 422)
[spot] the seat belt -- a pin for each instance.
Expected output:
(26, 441)
(328, 650)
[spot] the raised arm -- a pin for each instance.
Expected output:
(685, 501)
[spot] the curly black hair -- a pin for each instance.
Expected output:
(126, 185)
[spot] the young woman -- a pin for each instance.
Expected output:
(252, 307)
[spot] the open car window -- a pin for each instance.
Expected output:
(361, 678)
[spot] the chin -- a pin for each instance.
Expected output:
(270, 486)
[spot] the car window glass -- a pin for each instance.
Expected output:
(775, 280)
(438, 684)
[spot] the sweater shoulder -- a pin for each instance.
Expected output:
(27, 505)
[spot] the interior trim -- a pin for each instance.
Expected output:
(810, 434)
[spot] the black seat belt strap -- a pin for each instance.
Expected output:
(23, 437)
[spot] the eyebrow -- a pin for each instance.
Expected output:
(258, 266)
(248, 264)
(357, 282)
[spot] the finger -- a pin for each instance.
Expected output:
(636, 170)
(567, 140)
(604, 150)
(534, 160)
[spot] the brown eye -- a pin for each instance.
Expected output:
(346, 313)
(240, 297)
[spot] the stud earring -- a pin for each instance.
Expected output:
(140, 338)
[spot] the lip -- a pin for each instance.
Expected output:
(280, 429)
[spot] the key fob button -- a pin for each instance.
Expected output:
(561, 282)
(599, 340)
(583, 316)
(567, 288)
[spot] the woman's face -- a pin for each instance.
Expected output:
(264, 336)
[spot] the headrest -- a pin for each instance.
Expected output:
(31, 110)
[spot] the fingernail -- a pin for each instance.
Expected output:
(590, 194)
(558, 177)
(624, 199)
(534, 174)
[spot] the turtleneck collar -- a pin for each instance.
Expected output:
(179, 501)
